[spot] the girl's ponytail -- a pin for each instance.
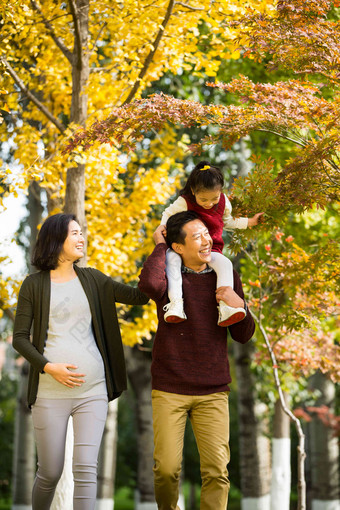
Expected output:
(203, 176)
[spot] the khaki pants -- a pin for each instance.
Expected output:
(209, 416)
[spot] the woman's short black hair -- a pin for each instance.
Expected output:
(175, 224)
(50, 241)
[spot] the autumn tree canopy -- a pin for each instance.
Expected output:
(65, 64)
(299, 281)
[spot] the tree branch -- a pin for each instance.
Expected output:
(189, 6)
(149, 58)
(286, 137)
(98, 35)
(77, 39)
(322, 73)
(301, 436)
(7, 311)
(31, 96)
(63, 48)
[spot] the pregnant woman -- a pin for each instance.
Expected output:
(75, 355)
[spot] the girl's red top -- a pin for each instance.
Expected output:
(213, 218)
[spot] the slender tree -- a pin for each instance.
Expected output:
(281, 470)
(255, 456)
(323, 447)
(24, 449)
(141, 383)
(24, 459)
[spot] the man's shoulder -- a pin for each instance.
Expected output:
(159, 251)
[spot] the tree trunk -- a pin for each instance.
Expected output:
(192, 497)
(75, 196)
(35, 210)
(107, 460)
(281, 472)
(24, 463)
(75, 181)
(138, 365)
(254, 442)
(324, 450)
(24, 459)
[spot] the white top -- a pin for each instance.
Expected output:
(70, 339)
(180, 205)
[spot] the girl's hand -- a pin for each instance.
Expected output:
(159, 234)
(62, 373)
(255, 219)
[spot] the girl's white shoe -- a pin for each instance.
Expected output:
(228, 315)
(174, 311)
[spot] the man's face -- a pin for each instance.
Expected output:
(196, 250)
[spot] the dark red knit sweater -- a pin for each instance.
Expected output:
(191, 357)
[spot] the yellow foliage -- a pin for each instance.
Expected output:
(122, 192)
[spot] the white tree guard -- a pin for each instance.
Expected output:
(105, 504)
(181, 502)
(146, 506)
(281, 474)
(261, 503)
(326, 505)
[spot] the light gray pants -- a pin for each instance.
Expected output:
(50, 419)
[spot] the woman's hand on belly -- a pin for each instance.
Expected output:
(62, 372)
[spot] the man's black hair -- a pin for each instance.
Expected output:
(175, 224)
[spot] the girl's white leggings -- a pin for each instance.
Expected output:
(220, 264)
(50, 418)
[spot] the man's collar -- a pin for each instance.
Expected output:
(185, 269)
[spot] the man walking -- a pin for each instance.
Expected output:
(190, 369)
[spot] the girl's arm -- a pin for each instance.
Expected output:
(179, 205)
(231, 223)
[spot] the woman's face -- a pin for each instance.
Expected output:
(73, 247)
(207, 198)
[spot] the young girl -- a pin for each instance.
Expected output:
(203, 193)
(76, 356)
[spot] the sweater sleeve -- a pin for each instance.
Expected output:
(179, 205)
(128, 295)
(242, 331)
(152, 280)
(22, 327)
(230, 222)
(122, 293)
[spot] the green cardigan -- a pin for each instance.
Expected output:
(102, 293)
